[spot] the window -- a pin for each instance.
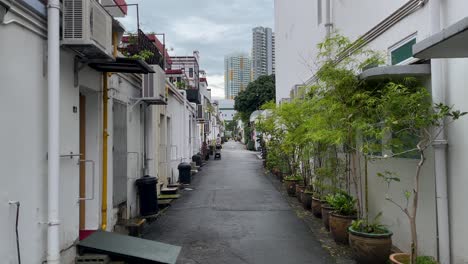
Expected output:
(403, 141)
(179, 79)
(319, 12)
(191, 72)
(402, 52)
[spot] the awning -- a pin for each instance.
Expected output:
(127, 248)
(126, 65)
(396, 71)
(448, 43)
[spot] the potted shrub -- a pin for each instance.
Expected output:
(326, 209)
(407, 110)
(307, 198)
(371, 242)
(300, 187)
(344, 212)
(290, 184)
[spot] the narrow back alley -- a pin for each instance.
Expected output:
(233, 214)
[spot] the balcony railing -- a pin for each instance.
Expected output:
(139, 44)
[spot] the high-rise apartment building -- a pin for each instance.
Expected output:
(237, 74)
(263, 51)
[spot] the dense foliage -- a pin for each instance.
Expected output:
(329, 136)
(257, 93)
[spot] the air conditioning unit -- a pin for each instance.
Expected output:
(154, 86)
(87, 28)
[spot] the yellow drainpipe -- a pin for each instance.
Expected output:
(105, 136)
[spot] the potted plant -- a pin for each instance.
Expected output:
(326, 209)
(290, 184)
(300, 187)
(407, 110)
(344, 212)
(371, 242)
(307, 198)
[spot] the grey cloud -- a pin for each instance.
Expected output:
(223, 26)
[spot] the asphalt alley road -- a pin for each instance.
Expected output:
(234, 215)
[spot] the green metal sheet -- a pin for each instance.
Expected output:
(131, 249)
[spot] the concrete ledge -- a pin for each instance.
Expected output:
(448, 43)
(396, 71)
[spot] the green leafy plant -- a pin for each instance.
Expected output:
(406, 110)
(370, 227)
(142, 55)
(425, 260)
(293, 178)
(342, 203)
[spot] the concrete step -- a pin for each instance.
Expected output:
(93, 259)
(168, 196)
(169, 190)
(132, 227)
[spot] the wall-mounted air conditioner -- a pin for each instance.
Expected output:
(87, 28)
(154, 86)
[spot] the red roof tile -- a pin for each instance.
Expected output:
(122, 5)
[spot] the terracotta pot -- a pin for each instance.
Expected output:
(306, 200)
(370, 248)
(299, 190)
(326, 210)
(316, 207)
(339, 227)
(290, 187)
(400, 258)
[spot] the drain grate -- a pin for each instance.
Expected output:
(93, 259)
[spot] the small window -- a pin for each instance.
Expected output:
(402, 52)
(179, 79)
(403, 142)
(191, 72)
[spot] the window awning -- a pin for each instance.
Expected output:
(126, 65)
(396, 71)
(448, 43)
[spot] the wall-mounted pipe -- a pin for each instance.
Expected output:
(438, 71)
(53, 78)
(105, 137)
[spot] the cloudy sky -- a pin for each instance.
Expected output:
(214, 27)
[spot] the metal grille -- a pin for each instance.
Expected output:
(120, 153)
(73, 19)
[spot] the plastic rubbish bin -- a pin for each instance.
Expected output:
(148, 196)
(197, 159)
(185, 176)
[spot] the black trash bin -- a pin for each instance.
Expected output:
(185, 176)
(197, 159)
(148, 196)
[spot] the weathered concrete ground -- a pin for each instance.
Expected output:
(236, 214)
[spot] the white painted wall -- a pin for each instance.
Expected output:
(23, 103)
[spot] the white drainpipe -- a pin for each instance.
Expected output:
(440, 146)
(53, 69)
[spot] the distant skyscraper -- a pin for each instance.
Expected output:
(263, 52)
(237, 74)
